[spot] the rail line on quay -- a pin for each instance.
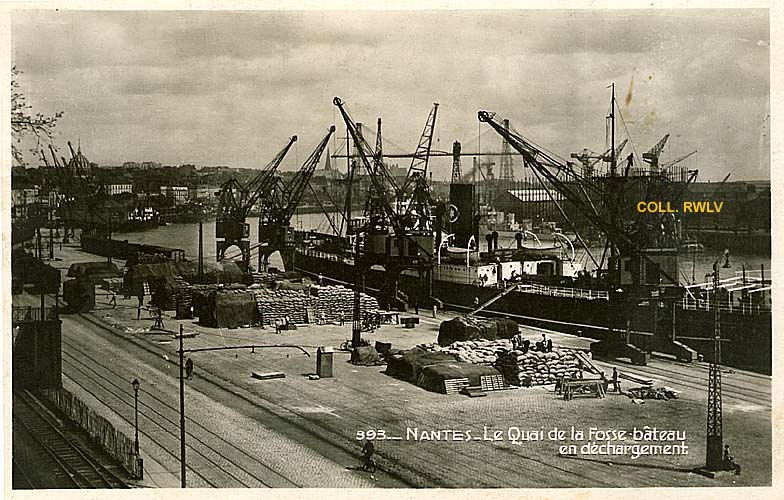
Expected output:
(65, 459)
(314, 430)
(436, 468)
(165, 413)
(735, 389)
(693, 382)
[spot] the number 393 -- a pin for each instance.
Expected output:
(371, 435)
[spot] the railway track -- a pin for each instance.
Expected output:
(730, 389)
(434, 468)
(58, 455)
(314, 431)
(212, 458)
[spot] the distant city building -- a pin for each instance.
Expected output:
(113, 189)
(131, 165)
(149, 165)
(22, 202)
(214, 170)
(179, 193)
(204, 193)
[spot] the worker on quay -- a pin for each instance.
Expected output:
(476, 301)
(517, 341)
(549, 345)
(189, 368)
(159, 320)
(367, 452)
(541, 346)
(729, 462)
(616, 383)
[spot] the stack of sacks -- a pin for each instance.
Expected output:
(539, 368)
(478, 352)
(183, 299)
(279, 304)
(265, 279)
(329, 302)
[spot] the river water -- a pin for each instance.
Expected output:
(186, 236)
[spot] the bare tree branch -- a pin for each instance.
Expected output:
(24, 123)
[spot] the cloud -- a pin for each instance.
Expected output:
(230, 87)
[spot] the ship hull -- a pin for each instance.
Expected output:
(746, 337)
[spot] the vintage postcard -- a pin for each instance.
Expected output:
(347, 246)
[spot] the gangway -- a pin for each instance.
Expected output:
(491, 301)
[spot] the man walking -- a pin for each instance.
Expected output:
(616, 383)
(367, 452)
(189, 368)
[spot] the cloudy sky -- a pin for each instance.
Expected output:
(229, 88)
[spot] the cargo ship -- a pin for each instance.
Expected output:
(627, 299)
(556, 293)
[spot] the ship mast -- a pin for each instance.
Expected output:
(612, 133)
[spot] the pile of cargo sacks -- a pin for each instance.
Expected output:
(518, 368)
(538, 368)
(313, 304)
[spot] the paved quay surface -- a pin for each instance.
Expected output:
(299, 432)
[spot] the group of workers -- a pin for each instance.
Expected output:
(522, 344)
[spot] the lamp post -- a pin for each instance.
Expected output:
(181, 351)
(136, 385)
(140, 464)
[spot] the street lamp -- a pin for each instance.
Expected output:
(136, 385)
(139, 462)
(181, 352)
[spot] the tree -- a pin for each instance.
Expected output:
(24, 123)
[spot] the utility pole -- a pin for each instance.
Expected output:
(713, 451)
(201, 248)
(182, 416)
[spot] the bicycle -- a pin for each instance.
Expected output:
(346, 345)
(368, 465)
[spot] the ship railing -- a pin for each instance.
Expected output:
(310, 252)
(739, 307)
(557, 291)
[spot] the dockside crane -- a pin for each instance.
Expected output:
(396, 231)
(643, 246)
(234, 205)
(651, 157)
(280, 204)
(80, 202)
(588, 159)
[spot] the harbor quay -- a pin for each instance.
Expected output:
(525, 437)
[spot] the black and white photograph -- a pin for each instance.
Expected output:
(388, 247)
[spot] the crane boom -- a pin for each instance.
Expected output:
(421, 156)
(255, 188)
(292, 193)
(388, 216)
(556, 173)
(652, 157)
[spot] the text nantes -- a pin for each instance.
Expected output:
(694, 207)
